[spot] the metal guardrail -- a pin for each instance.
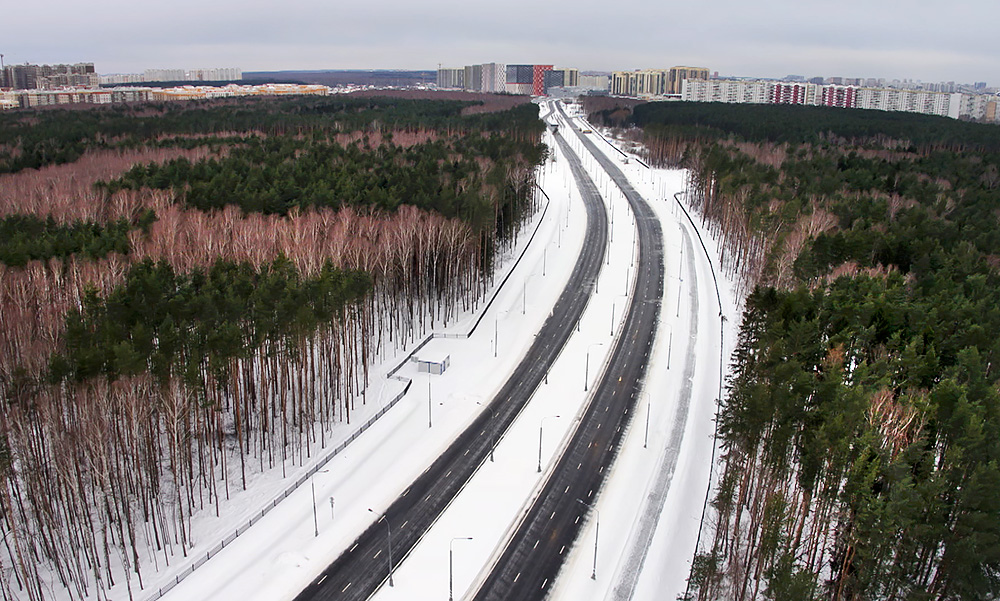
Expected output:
(202, 559)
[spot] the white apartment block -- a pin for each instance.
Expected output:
(494, 77)
(213, 74)
(594, 82)
(955, 105)
(733, 91)
(122, 78)
(451, 78)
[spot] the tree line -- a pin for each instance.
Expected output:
(859, 430)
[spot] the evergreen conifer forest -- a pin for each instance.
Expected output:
(860, 431)
(190, 292)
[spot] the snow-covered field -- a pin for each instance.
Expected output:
(652, 504)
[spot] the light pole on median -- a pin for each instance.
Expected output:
(645, 440)
(597, 532)
(670, 343)
(451, 553)
(388, 532)
(540, 424)
(586, 365)
(613, 303)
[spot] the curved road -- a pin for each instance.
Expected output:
(531, 560)
(362, 569)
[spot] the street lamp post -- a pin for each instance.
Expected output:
(645, 439)
(540, 440)
(613, 304)
(312, 485)
(451, 553)
(586, 365)
(670, 343)
(597, 532)
(680, 280)
(388, 533)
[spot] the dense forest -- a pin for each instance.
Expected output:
(860, 434)
(193, 292)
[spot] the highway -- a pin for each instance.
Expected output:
(366, 564)
(532, 558)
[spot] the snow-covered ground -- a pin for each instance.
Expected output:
(280, 554)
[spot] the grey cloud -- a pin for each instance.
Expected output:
(891, 38)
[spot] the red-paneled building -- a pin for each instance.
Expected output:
(538, 81)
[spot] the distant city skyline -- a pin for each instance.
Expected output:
(892, 39)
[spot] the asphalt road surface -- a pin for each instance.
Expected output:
(531, 560)
(365, 566)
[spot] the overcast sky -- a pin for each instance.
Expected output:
(911, 39)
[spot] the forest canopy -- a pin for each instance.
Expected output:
(860, 431)
(194, 292)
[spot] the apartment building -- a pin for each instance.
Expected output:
(451, 79)
(654, 82)
(733, 91)
(570, 77)
(494, 78)
(33, 98)
(640, 83)
(210, 74)
(955, 105)
(48, 77)
(512, 79)
(677, 76)
(595, 82)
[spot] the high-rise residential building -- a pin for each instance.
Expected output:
(474, 78)
(647, 82)
(538, 79)
(560, 78)
(451, 78)
(121, 78)
(595, 82)
(736, 91)
(555, 79)
(654, 82)
(212, 74)
(520, 79)
(165, 75)
(571, 77)
(677, 75)
(838, 96)
(512, 79)
(793, 93)
(48, 77)
(494, 77)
